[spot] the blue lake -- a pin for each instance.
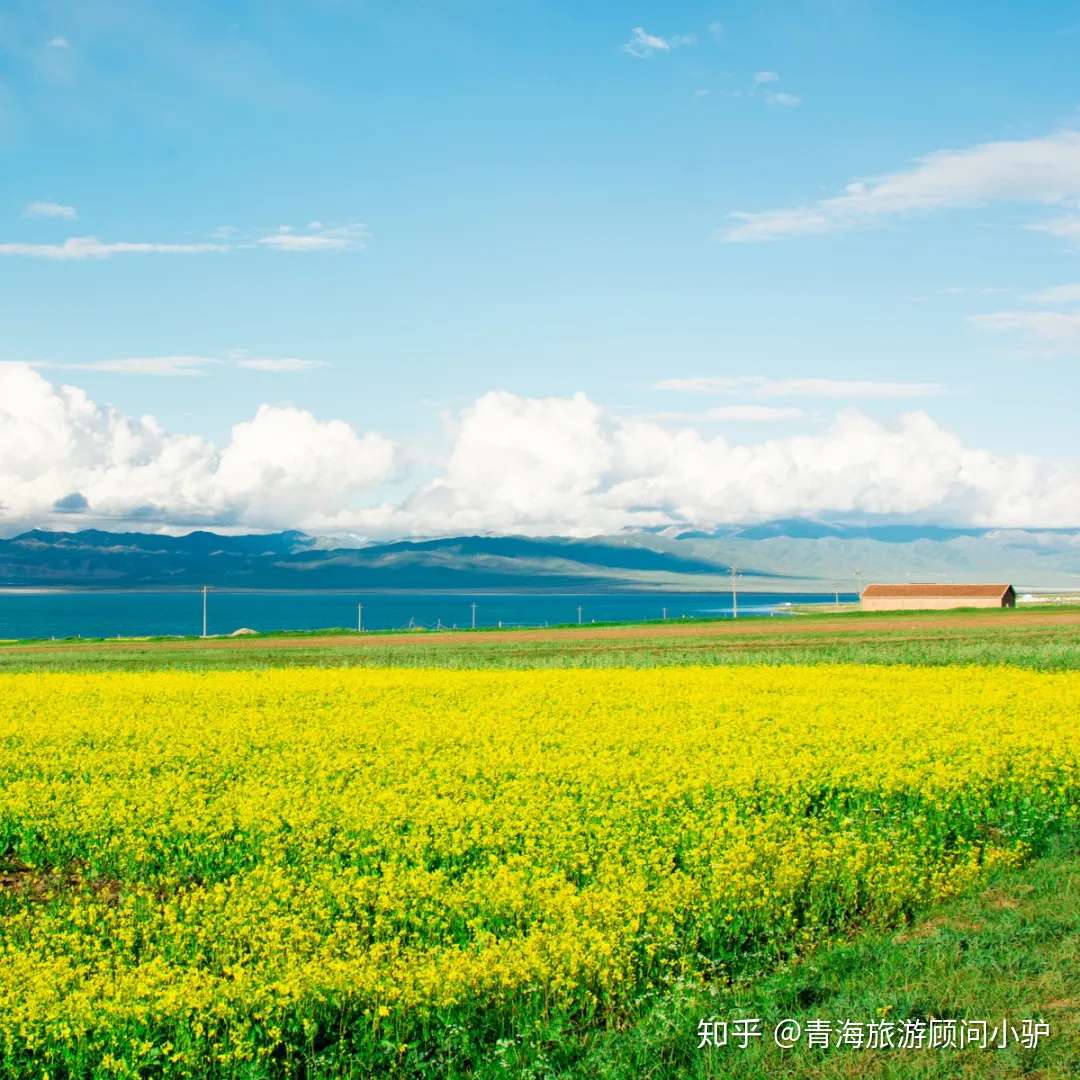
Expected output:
(28, 613)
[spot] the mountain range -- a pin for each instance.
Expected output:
(780, 556)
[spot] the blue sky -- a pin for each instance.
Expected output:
(380, 213)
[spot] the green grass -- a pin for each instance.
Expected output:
(1012, 617)
(1023, 611)
(1011, 641)
(1010, 951)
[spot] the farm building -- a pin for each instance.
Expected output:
(928, 595)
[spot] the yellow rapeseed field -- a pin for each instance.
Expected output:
(207, 872)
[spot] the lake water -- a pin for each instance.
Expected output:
(28, 613)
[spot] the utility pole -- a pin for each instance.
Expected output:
(360, 617)
(859, 581)
(734, 593)
(473, 606)
(836, 590)
(205, 590)
(665, 614)
(579, 614)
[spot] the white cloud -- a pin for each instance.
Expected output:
(1060, 294)
(58, 42)
(565, 465)
(350, 237)
(642, 43)
(317, 238)
(762, 386)
(283, 365)
(184, 366)
(1041, 170)
(513, 464)
(771, 224)
(286, 458)
(763, 77)
(89, 247)
(1059, 330)
(294, 242)
(1067, 227)
(49, 210)
(531, 460)
(789, 101)
(284, 465)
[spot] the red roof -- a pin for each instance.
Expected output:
(935, 591)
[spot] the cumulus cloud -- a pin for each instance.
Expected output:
(284, 465)
(763, 386)
(44, 209)
(763, 77)
(642, 43)
(787, 101)
(58, 42)
(568, 466)
(512, 465)
(285, 456)
(1041, 170)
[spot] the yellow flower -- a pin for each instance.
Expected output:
(239, 859)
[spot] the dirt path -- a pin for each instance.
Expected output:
(749, 628)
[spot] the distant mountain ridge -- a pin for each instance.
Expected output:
(293, 560)
(802, 529)
(783, 555)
